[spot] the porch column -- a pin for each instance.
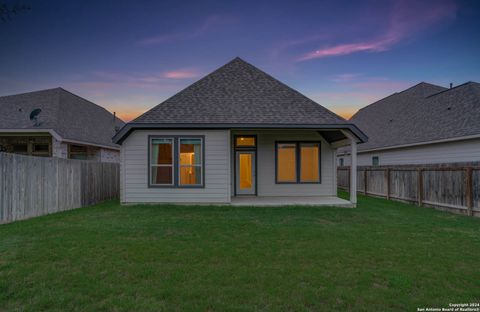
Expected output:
(353, 171)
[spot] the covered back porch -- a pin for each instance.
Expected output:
(278, 167)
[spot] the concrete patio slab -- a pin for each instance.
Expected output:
(265, 201)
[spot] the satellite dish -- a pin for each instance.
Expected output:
(34, 116)
(34, 113)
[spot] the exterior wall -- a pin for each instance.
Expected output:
(266, 185)
(107, 155)
(59, 149)
(448, 152)
(134, 170)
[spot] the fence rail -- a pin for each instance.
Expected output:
(453, 188)
(35, 186)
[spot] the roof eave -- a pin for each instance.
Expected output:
(130, 127)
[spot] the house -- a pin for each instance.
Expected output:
(425, 124)
(236, 136)
(57, 123)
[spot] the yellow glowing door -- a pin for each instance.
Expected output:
(245, 173)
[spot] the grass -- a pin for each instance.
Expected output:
(381, 256)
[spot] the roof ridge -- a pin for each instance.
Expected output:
(452, 88)
(422, 83)
(240, 60)
(29, 92)
(295, 90)
(398, 93)
(90, 102)
(188, 87)
(384, 98)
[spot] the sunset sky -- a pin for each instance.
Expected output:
(128, 56)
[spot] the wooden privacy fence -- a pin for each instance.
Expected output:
(452, 188)
(35, 186)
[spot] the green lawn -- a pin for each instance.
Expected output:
(380, 256)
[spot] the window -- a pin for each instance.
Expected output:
(375, 161)
(309, 162)
(176, 161)
(20, 149)
(286, 162)
(245, 141)
(342, 162)
(41, 149)
(77, 152)
(161, 161)
(298, 162)
(190, 161)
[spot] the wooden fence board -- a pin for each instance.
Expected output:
(376, 182)
(34, 186)
(445, 187)
(403, 184)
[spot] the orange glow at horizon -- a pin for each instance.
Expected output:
(128, 116)
(345, 113)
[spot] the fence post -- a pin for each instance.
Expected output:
(387, 173)
(348, 179)
(420, 186)
(469, 173)
(365, 181)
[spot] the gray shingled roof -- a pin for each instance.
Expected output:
(239, 93)
(69, 115)
(422, 113)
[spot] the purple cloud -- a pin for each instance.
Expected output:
(407, 19)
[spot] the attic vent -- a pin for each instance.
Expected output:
(449, 108)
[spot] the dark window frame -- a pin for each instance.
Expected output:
(176, 161)
(172, 165)
(234, 156)
(298, 162)
(241, 147)
(202, 162)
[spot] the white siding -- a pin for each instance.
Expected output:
(266, 164)
(134, 172)
(448, 152)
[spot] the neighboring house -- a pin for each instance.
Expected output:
(235, 132)
(425, 124)
(57, 123)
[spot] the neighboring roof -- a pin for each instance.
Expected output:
(421, 114)
(70, 116)
(237, 95)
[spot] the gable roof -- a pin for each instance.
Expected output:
(421, 114)
(237, 95)
(70, 116)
